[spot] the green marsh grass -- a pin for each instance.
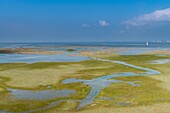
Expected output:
(148, 93)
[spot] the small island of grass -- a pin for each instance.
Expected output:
(70, 50)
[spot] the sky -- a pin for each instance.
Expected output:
(84, 20)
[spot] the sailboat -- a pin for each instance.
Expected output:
(147, 43)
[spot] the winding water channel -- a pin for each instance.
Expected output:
(100, 83)
(96, 85)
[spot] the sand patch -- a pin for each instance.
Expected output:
(167, 52)
(97, 54)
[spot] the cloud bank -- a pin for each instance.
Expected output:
(156, 16)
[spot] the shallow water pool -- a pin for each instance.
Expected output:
(30, 58)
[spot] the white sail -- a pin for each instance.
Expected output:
(147, 43)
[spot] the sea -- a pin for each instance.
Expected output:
(95, 44)
(131, 48)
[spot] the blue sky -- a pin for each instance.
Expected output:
(84, 20)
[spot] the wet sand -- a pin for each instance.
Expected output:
(165, 52)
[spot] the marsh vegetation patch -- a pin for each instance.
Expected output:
(39, 76)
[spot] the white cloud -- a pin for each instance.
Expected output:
(103, 23)
(119, 31)
(156, 16)
(86, 25)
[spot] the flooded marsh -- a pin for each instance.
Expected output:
(113, 81)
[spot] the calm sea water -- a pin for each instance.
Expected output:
(106, 44)
(130, 49)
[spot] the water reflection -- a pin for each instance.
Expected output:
(39, 95)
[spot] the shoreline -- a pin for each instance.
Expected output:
(27, 51)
